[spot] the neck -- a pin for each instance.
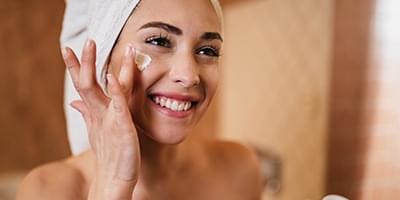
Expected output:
(157, 159)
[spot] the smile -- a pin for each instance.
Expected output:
(172, 104)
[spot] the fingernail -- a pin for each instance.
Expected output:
(109, 77)
(64, 52)
(132, 48)
(89, 43)
(128, 51)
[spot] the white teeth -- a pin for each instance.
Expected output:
(168, 103)
(187, 106)
(162, 101)
(181, 106)
(172, 104)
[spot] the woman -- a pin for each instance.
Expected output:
(139, 126)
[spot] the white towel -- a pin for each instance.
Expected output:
(102, 21)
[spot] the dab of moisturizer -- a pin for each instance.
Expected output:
(142, 60)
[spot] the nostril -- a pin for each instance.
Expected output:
(185, 74)
(187, 83)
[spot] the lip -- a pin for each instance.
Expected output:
(171, 113)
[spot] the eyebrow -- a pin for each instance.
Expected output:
(211, 36)
(162, 25)
(177, 31)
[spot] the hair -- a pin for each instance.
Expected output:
(218, 9)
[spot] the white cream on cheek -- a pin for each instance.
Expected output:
(142, 60)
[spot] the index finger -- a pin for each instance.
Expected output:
(127, 72)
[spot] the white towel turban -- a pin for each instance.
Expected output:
(102, 21)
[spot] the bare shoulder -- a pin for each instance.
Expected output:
(239, 165)
(57, 180)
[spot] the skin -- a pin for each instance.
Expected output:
(139, 151)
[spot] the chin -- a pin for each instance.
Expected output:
(168, 135)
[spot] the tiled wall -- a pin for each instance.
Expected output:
(274, 86)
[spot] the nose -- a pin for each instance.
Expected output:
(185, 71)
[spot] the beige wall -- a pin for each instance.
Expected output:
(274, 88)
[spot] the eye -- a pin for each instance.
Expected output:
(159, 40)
(209, 51)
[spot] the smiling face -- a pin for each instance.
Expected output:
(184, 40)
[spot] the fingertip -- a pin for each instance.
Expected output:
(133, 63)
(74, 105)
(64, 52)
(67, 57)
(89, 43)
(89, 51)
(128, 51)
(109, 78)
(133, 50)
(112, 82)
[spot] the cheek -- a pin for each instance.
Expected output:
(155, 70)
(144, 81)
(211, 79)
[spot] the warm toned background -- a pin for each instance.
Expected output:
(274, 90)
(32, 128)
(313, 83)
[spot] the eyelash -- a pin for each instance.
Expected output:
(163, 41)
(159, 38)
(215, 51)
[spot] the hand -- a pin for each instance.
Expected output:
(112, 133)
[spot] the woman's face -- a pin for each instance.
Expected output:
(184, 40)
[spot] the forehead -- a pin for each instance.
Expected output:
(195, 15)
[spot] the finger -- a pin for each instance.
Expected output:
(88, 68)
(89, 89)
(119, 102)
(126, 74)
(73, 66)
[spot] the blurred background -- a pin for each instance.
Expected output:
(312, 85)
